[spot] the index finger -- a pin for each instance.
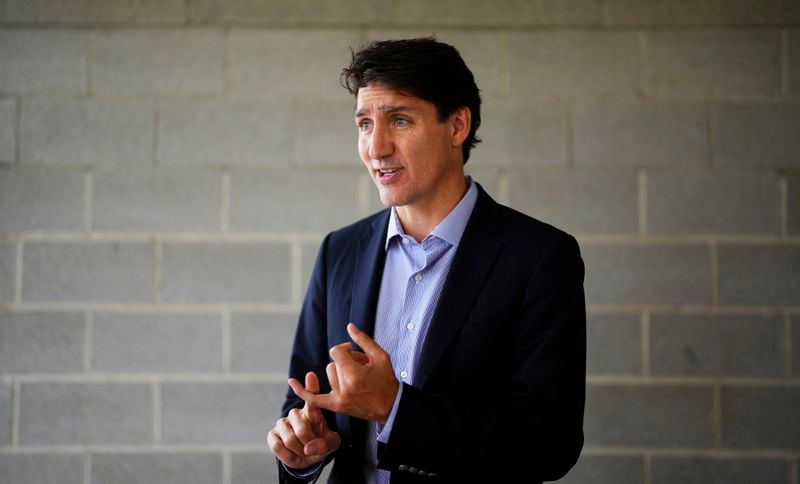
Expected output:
(321, 401)
(342, 355)
(312, 385)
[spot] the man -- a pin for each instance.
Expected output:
(464, 356)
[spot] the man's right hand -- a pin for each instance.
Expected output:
(303, 439)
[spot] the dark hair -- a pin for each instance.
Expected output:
(424, 68)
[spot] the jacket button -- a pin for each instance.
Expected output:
(402, 467)
(413, 470)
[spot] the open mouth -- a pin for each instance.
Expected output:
(386, 174)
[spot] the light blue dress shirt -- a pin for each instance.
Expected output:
(413, 277)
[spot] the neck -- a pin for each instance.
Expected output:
(418, 221)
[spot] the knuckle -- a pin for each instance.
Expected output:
(353, 382)
(285, 431)
(290, 442)
(275, 443)
(295, 461)
(278, 448)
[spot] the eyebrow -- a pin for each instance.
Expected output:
(386, 109)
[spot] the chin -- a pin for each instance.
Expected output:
(388, 199)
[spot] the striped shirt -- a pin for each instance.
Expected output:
(413, 276)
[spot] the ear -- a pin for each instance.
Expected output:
(461, 124)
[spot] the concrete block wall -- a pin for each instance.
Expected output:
(167, 169)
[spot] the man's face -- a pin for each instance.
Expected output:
(408, 152)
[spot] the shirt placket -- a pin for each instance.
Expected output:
(415, 295)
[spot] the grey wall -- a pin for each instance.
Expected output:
(169, 167)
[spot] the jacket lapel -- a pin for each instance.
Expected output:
(472, 263)
(370, 257)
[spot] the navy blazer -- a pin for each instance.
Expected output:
(499, 389)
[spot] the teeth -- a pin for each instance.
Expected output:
(388, 171)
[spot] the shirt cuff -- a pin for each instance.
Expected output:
(384, 431)
(302, 473)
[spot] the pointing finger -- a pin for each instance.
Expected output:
(312, 382)
(321, 401)
(312, 386)
(310, 411)
(341, 354)
(340, 349)
(300, 391)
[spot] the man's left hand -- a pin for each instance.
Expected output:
(363, 385)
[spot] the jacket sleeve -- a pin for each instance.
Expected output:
(533, 425)
(284, 477)
(310, 352)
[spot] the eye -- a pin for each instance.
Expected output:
(364, 125)
(401, 122)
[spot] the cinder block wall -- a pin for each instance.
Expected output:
(169, 167)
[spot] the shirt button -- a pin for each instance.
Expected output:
(418, 278)
(410, 326)
(404, 374)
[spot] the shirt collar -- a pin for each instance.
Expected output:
(451, 228)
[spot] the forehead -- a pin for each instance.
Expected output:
(381, 97)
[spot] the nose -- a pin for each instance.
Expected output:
(381, 144)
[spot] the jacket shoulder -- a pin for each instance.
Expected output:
(516, 229)
(530, 229)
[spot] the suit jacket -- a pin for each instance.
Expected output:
(499, 389)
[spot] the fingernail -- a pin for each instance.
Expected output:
(311, 449)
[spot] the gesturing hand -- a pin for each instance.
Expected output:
(302, 438)
(363, 385)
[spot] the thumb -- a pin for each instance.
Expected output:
(324, 445)
(312, 385)
(370, 347)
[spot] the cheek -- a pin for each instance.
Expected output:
(363, 150)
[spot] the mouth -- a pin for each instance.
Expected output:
(385, 175)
